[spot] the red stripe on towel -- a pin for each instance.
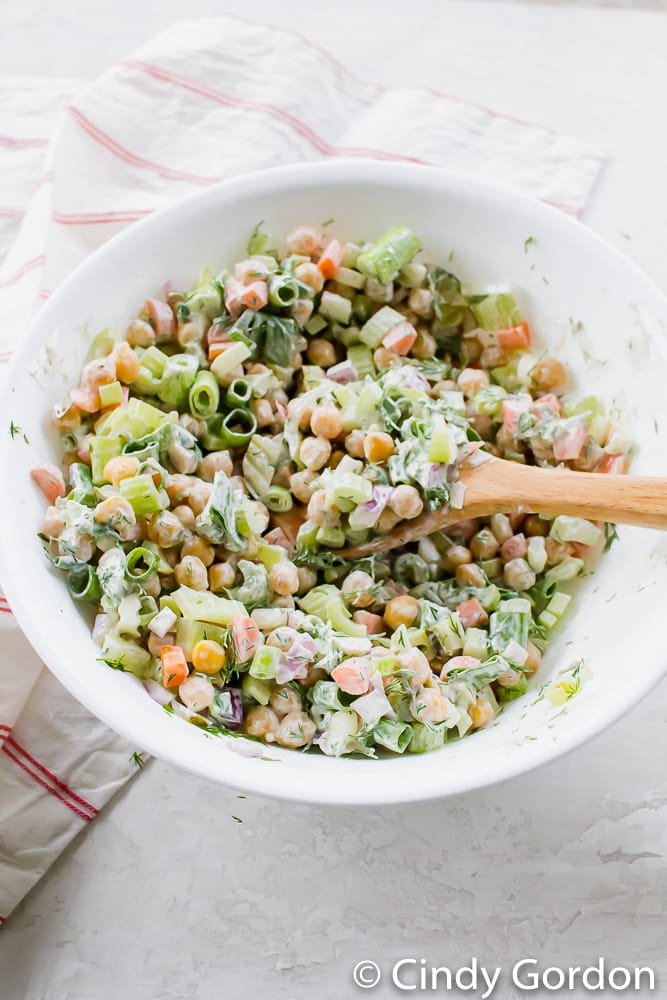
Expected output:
(44, 784)
(65, 789)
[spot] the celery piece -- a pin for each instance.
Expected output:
(476, 643)
(265, 663)
(350, 253)
(268, 619)
(497, 312)
(491, 567)
(362, 307)
(259, 463)
(325, 695)
(335, 307)
(103, 343)
(489, 402)
(126, 655)
(330, 536)
(81, 482)
(442, 447)
(353, 488)
(142, 493)
(205, 299)
(453, 400)
(154, 360)
(490, 597)
(412, 275)
(269, 555)
(135, 420)
(505, 694)
(145, 383)
(379, 324)
(450, 631)
(426, 738)
(204, 395)
(226, 362)
(565, 571)
(177, 378)
(256, 689)
(575, 529)
(361, 360)
(163, 567)
(190, 632)
(385, 258)
(283, 290)
(353, 279)
(505, 625)
(326, 602)
(316, 324)
(394, 736)
(110, 395)
(102, 450)
(206, 607)
(559, 603)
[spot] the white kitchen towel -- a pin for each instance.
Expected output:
(204, 101)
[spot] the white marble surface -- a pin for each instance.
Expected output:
(167, 895)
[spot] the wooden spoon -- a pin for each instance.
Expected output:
(497, 486)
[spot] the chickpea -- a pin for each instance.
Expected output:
(119, 468)
(425, 346)
(447, 385)
(127, 363)
(317, 507)
(481, 713)
(509, 678)
(208, 657)
(301, 485)
(420, 301)
(326, 421)
(192, 331)
(493, 357)
(152, 586)
(514, 548)
(428, 705)
(66, 418)
(387, 521)
(406, 502)
(549, 374)
(307, 579)
(301, 311)
(183, 461)
(505, 440)
(315, 452)
(165, 529)
(295, 730)
(101, 371)
(304, 240)
(156, 642)
(354, 443)
(261, 722)
(321, 352)
(197, 693)
(283, 578)
(470, 575)
(378, 292)
(501, 527)
(249, 270)
(114, 511)
(54, 522)
(215, 461)
(557, 551)
(191, 424)
(282, 638)
(385, 358)
(281, 476)
(535, 525)
(414, 662)
(402, 610)
(186, 516)
(378, 446)
(263, 412)
(313, 675)
(198, 547)
(221, 577)
(518, 575)
(140, 334)
(472, 380)
(285, 699)
(457, 555)
(357, 589)
(191, 572)
(534, 658)
(178, 487)
(199, 496)
(484, 545)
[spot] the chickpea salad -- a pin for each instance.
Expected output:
(222, 450)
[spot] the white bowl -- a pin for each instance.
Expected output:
(565, 276)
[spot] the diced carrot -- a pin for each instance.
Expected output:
(458, 663)
(331, 258)
(161, 317)
(374, 623)
(472, 613)
(245, 636)
(86, 399)
(256, 295)
(218, 348)
(568, 446)
(512, 410)
(514, 337)
(216, 335)
(234, 290)
(50, 480)
(290, 521)
(400, 338)
(353, 676)
(174, 666)
(549, 401)
(613, 465)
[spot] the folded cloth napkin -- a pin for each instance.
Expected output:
(203, 101)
